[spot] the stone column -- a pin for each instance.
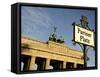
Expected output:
(64, 65)
(75, 65)
(47, 63)
(32, 63)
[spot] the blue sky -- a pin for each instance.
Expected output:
(38, 23)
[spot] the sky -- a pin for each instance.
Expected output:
(39, 22)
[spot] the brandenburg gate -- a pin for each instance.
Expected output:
(37, 55)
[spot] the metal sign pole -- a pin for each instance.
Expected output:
(84, 24)
(85, 55)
